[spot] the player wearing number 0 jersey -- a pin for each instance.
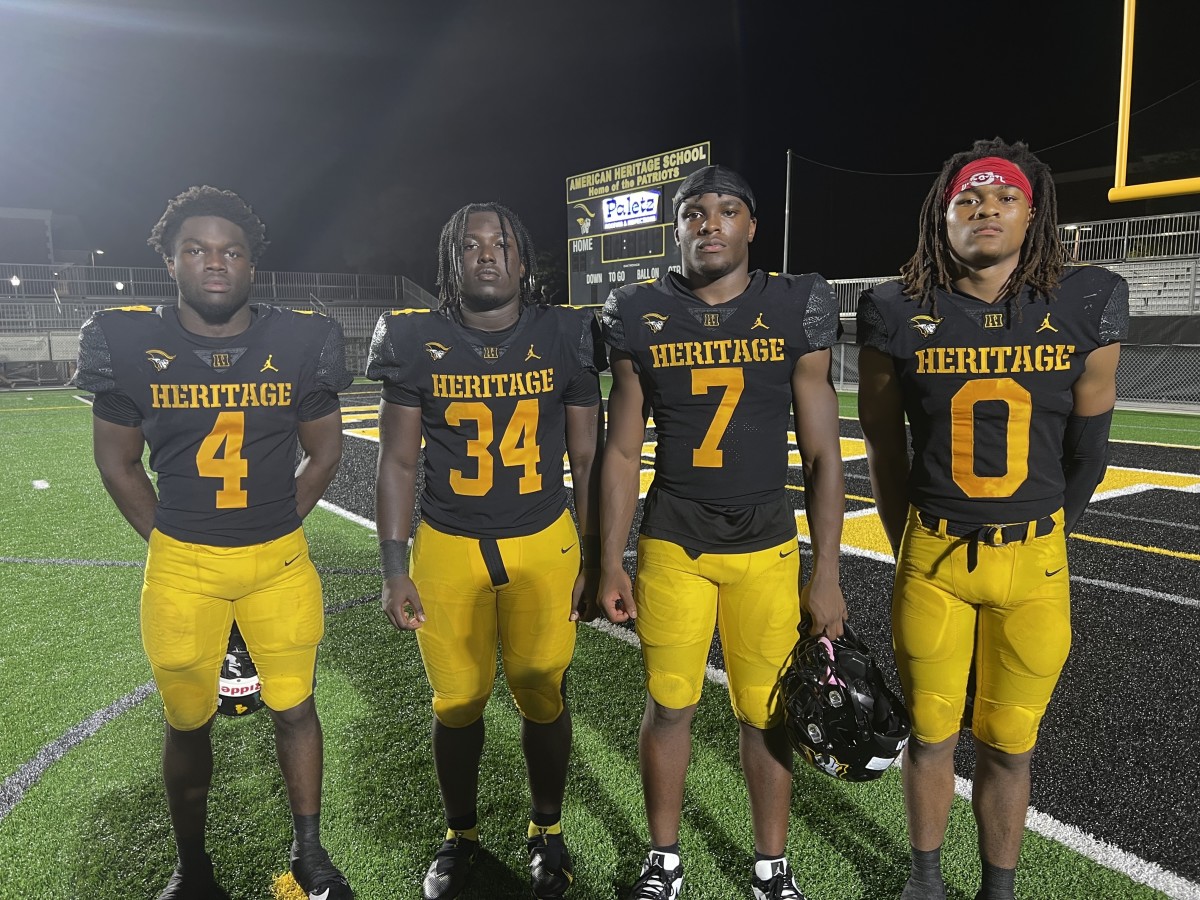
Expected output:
(725, 359)
(222, 391)
(1004, 362)
(499, 388)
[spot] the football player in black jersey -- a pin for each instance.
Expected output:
(725, 358)
(1004, 360)
(499, 388)
(222, 390)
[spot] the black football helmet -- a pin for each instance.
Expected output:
(839, 712)
(239, 691)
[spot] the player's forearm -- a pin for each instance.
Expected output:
(395, 498)
(313, 477)
(618, 501)
(889, 480)
(825, 492)
(131, 491)
(585, 443)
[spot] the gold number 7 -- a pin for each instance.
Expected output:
(709, 455)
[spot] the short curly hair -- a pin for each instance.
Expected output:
(203, 200)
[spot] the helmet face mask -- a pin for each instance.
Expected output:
(839, 712)
(239, 691)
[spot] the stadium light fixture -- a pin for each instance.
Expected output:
(15, 281)
(94, 254)
(119, 285)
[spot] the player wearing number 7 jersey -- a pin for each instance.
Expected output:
(1004, 361)
(724, 357)
(222, 390)
(499, 387)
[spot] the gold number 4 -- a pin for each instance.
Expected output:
(230, 467)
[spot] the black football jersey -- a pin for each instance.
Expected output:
(493, 411)
(220, 414)
(719, 381)
(987, 388)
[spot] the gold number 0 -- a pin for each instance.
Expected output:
(230, 467)
(709, 455)
(518, 447)
(962, 437)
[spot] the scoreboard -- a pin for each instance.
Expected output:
(619, 223)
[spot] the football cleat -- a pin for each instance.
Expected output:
(838, 711)
(551, 870)
(450, 869)
(773, 880)
(661, 878)
(239, 691)
(199, 884)
(319, 877)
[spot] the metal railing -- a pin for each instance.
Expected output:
(1159, 287)
(130, 285)
(1147, 237)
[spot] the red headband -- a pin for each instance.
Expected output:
(989, 170)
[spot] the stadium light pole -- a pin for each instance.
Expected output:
(94, 254)
(787, 211)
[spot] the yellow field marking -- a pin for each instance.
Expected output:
(1161, 551)
(359, 417)
(1119, 478)
(373, 408)
(371, 434)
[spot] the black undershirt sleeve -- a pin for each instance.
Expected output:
(1085, 459)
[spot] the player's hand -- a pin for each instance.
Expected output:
(583, 596)
(402, 603)
(824, 604)
(616, 596)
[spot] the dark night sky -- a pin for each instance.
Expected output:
(356, 129)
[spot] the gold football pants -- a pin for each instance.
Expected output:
(190, 597)
(752, 598)
(1016, 595)
(517, 590)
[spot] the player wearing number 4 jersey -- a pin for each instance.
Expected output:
(1004, 361)
(499, 388)
(724, 357)
(222, 391)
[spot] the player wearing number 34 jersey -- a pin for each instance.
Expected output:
(500, 389)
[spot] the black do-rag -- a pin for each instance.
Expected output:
(713, 180)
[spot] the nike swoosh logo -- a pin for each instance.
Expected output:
(288, 563)
(567, 549)
(1050, 574)
(783, 555)
(324, 895)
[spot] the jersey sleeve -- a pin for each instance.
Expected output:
(384, 362)
(611, 324)
(584, 387)
(332, 376)
(1114, 320)
(821, 315)
(871, 327)
(94, 373)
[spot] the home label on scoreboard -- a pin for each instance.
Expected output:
(619, 223)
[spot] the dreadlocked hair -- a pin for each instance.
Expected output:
(450, 254)
(1042, 256)
(203, 200)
